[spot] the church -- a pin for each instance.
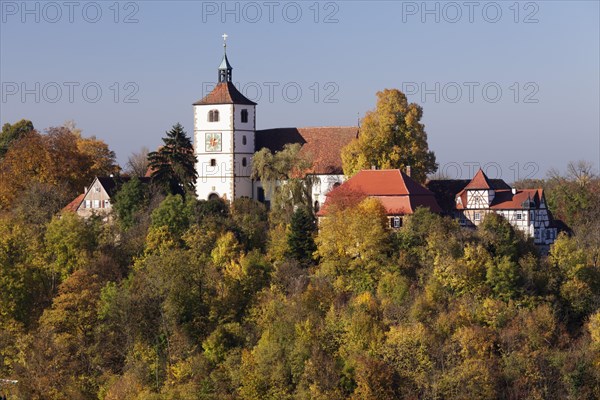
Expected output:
(225, 139)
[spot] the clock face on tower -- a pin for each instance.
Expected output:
(213, 142)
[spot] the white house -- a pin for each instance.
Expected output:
(225, 139)
(525, 209)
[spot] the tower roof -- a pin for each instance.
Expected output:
(225, 93)
(225, 63)
(479, 181)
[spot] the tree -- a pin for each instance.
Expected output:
(128, 201)
(174, 164)
(137, 163)
(11, 133)
(301, 243)
(283, 175)
(60, 158)
(391, 136)
(102, 160)
(173, 214)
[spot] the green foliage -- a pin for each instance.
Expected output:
(207, 300)
(11, 133)
(285, 177)
(69, 242)
(129, 201)
(173, 214)
(391, 136)
(300, 238)
(174, 164)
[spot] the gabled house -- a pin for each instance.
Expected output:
(96, 199)
(525, 209)
(398, 193)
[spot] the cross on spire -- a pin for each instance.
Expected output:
(225, 36)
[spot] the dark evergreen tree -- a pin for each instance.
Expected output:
(174, 164)
(301, 244)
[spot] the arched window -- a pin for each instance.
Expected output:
(213, 116)
(213, 196)
(244, 115)
(244, 162)
(244, 139)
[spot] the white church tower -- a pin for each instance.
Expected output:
(224, 136)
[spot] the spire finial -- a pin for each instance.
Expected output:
(225, 36)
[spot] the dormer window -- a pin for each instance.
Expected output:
(213, 116)
(244, 115)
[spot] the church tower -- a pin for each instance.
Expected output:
(224, 136)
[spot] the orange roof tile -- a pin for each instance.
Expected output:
(479, 181)
(321, 145)
(224, 93)
(397, 192)
(74, 205)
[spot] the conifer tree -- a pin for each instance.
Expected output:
(301, 244)
(174, 164)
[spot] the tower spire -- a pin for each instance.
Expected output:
(225, 68)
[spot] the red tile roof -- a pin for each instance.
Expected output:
(506, 200)
(322, 145)
(397, 192)
(224, 93)
(523, 199)
(479, 181)
(74, 205)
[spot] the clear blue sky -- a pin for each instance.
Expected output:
(551, 53)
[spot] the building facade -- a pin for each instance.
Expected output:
(525, 209)
(225, 139)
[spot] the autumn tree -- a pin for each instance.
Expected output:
(11, 133)
(284, 176)
(391, 136)
(59, 158)
(174, 164)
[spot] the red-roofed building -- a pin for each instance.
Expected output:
(398, 193)
(525, 209)
(225, 140)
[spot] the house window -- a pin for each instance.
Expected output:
(106, 203)
(260, 194)
(244, 115)
(88, 204)
(97, 189)
(213, 116)
(519, 216)
(213, 162)
(244, 139)
(477, 216)
(244, 162)
(397, 221)
(96, 204)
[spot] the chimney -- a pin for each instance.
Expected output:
(85, 189)
(408, 170)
